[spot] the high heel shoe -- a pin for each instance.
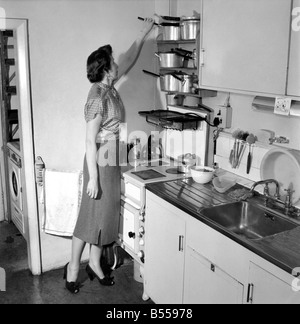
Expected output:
(106, 281)
(72, 287)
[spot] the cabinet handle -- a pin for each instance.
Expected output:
(202, 51)
(180, 243)
(250, 293)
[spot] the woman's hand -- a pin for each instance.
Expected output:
(92, 189)
(148, 24)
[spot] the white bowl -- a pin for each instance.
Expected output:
(202, 174)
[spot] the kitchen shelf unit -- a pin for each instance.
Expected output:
(190, 45)
(9, 116)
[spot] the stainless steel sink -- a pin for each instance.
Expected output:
(248, 220)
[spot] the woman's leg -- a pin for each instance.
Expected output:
(74, 265)
(95, 256)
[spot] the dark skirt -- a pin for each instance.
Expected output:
(98, 219)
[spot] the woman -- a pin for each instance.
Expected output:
(98, 218)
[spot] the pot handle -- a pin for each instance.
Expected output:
(151, 73)
(177, 77)
(156, 54)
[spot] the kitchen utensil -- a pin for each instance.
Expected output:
(170, 59)
(250, 140)
(169, 82)
(170, 31)
(202, 174)
(189, 82)
(189, 27)
(242, 147)
(192, 101)
(175, 99)
(232, 153)
(239, 144)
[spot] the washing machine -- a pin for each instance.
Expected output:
(15, 186)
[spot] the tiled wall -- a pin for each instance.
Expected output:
(225, 144)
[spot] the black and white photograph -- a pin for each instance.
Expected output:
(150, 154)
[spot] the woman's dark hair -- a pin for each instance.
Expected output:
(98, 63)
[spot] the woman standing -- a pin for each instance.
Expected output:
(98, 218)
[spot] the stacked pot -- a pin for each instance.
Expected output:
(179, 28)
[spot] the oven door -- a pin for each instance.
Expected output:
(129, 227)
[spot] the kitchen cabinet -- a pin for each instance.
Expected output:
(164, 252)
(245, 45)
(293, 88)
(206, 283)
(189, 262)
(264, 287)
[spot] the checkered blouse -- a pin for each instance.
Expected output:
(106, 101)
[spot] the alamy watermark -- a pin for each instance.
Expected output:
(2, 19)
(2, 280)
(296, 19)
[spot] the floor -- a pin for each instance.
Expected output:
(24, 288)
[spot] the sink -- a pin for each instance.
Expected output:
(248, 220)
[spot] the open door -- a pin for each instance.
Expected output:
(19, 27)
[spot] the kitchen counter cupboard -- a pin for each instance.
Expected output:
(188, 261)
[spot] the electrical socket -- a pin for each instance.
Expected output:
(225, 116)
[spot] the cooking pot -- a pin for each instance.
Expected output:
(189, 82)
(192, 101)
(189, 27)
(176, 81)
(170, 31)
(169, 82)
(175, 99)
(170, 59)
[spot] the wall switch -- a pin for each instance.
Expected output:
(225, 116)
(282, 106)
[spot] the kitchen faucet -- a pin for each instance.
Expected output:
(266, 189)
(288, 207)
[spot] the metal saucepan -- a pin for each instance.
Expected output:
(170, 59)
(175, 99)
(189, 82)
(189, 27)
(169, 82)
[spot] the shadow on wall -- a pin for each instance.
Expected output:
(138, 91)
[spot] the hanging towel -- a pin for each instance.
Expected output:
(62, 198)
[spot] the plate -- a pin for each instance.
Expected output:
(283, 165)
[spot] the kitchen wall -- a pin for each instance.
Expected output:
(62, 33)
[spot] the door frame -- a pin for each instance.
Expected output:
(31, 215)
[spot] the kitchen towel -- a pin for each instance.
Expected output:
(62, 198)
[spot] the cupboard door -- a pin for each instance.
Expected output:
(294, 66)
(245, 45)
(164, 253)
(265, 288)
(206, 283)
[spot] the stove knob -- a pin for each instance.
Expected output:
(142, 230)
(131, 234)
(142, 242)
(142, 218)
(141, 255)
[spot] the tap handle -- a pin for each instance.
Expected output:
(289, 194)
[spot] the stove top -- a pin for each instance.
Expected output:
(156, 171)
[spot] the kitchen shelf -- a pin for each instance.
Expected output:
(163, 42)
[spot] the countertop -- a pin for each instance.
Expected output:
(282, 249)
